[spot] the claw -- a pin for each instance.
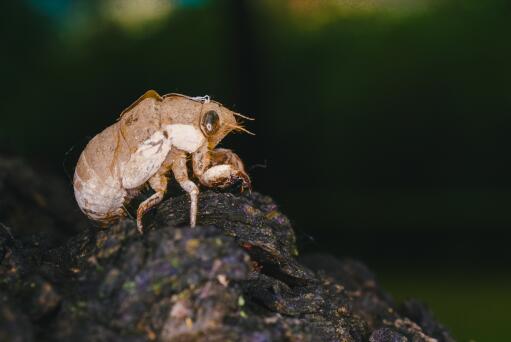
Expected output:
(246, 183)
(140, 226)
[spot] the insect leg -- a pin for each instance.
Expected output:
(181, 174)
(158, 183)
(226, 156)
(201, 160)
(227, 168)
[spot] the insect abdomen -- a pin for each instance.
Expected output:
(97, 183)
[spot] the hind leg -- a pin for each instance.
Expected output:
(158, 183)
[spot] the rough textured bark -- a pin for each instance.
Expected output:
(236, 277)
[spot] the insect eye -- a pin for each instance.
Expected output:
(210, 122)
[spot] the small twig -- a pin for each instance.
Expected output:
(262, 166)
(7, 229)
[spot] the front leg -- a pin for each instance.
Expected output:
(181, 174)
(226, 169)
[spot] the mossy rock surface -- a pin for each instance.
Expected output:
(236, 277)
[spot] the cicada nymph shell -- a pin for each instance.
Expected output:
(154, 136)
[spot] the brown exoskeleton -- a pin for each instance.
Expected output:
(156, 135)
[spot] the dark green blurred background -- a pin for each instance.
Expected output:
(382, 126)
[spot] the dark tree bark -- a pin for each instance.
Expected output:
(235, 278)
